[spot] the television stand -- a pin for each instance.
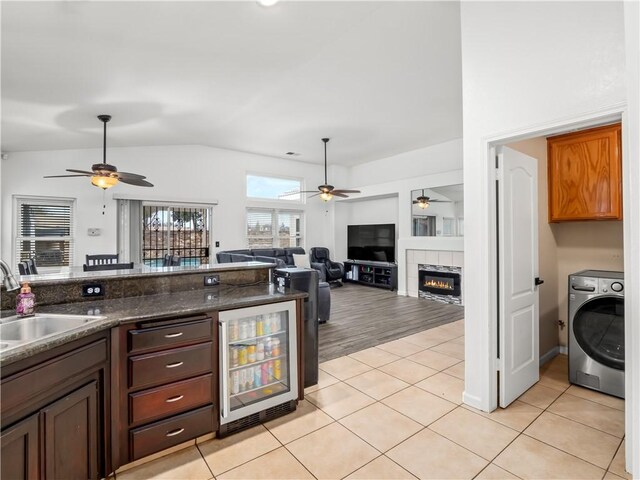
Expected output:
(375, 274)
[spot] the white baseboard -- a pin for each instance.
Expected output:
(549, 355)
(472, 400)
(402, 293)
(558, 350)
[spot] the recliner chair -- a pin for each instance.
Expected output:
(332, 271)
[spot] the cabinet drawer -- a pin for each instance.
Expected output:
(169, 365)
(22, 387)
(157, 337)
(167, 433)
(170, 399)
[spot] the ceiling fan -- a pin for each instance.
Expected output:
(326, 191)
(423, 201)
(104, 175)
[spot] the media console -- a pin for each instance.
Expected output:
(376, 274)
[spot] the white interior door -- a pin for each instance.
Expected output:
(518, 271)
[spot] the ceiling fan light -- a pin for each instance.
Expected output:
(423, 204)
(326, 196)
(104, 182)
(267, 3)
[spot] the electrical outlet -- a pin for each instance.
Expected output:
(211, 280)
(217, 244)
(93, 290)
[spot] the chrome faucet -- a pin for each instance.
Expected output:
(10, 282)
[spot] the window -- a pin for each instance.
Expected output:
(274, 188)
(448, 226)
(176, 230)
(268, 228)
(44, 231)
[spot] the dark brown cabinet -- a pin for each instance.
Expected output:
(585, 175)
(71, 425)
(55, 413)
(166, 384)
(20, 459)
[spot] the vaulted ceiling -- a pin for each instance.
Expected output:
(379, 78)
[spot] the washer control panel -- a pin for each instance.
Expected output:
(591, 285)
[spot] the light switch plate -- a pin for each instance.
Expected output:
(93, 232)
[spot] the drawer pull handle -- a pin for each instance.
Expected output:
(174, 365)
(175, 432)
(174, 399)
(173, 335)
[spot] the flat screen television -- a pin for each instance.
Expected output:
(372, 242)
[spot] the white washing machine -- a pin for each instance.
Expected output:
(596, 330)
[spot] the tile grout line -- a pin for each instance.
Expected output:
(205, 460)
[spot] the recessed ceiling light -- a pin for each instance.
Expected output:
(267, 3)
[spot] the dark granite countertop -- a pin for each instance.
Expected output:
(139, 271)
(127, 310)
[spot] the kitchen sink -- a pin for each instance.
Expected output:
(17, 331)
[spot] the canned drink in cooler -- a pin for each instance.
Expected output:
(234, 334)
(277, 369)
(259, 326)
(235, 382)
(275, 323)
(251, 353)
(250, 378)
(243, 329)
(271, 372)
(242, 355)
(264, 373)
(233, 356)
(257, 376)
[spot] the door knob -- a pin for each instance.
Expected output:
(539, 281)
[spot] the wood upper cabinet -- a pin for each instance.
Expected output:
(585, 175)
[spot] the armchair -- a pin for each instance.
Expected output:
(332, 271)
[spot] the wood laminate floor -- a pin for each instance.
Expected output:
(363, 317)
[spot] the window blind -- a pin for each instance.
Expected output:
(45, 232)
(274, 228)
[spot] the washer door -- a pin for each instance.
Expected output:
(598, 327)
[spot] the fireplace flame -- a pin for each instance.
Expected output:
(438, 284)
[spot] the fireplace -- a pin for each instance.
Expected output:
(440, 283)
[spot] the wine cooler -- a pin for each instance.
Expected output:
(258, 359)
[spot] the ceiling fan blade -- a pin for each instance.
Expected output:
(62, 176)
(138, 182)
(343, 190)
(339, 194)
(79, 171)
(440, 201)
(298, 193)
(129, 175)
(311, 196)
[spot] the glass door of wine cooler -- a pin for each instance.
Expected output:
(258, 359)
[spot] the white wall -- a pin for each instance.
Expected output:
(631, 199)
(440, 158)
(187, 173)
(390, 181)
(526, 66)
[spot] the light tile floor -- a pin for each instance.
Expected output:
(395, 412)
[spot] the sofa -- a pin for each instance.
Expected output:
(282, 257)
